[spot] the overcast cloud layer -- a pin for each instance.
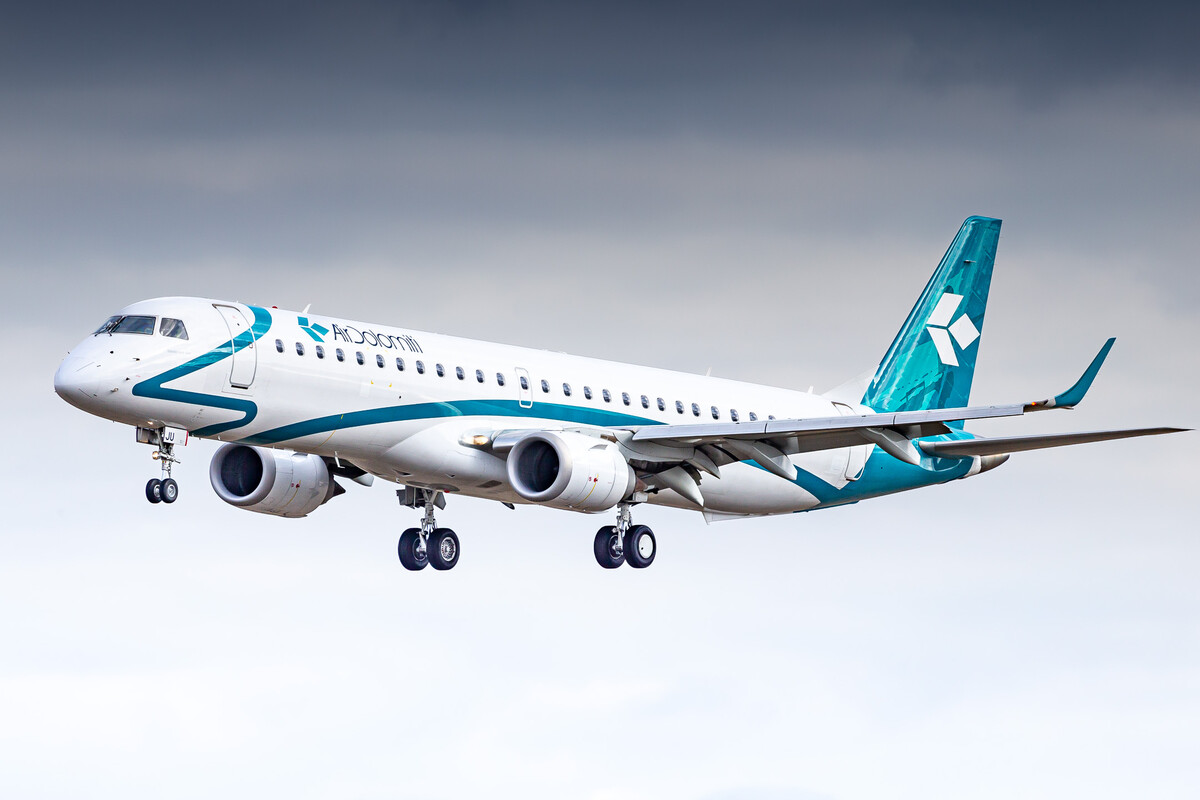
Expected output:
(762, 192)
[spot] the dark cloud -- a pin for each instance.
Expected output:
(579, 65)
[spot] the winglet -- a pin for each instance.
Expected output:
(1073, 396)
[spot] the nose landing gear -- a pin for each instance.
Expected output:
(165, 489)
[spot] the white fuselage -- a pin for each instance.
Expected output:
(402, 404)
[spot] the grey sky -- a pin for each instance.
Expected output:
(761, 191)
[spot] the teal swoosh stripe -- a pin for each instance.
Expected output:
(883, 474)
(459, 408)
(153, 387)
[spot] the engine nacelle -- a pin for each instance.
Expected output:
(570, 470)
(277, 482)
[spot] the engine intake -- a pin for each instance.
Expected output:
(277, 482)
(569, 470)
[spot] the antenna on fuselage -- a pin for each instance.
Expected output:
(306, 308)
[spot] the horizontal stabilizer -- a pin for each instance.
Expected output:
(1016, 444)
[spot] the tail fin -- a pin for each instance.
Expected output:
(932, 361)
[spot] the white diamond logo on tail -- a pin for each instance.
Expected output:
(964, 332)
(945, 348)
(943, 312)
(941, 329)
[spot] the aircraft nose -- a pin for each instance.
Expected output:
(74, 381)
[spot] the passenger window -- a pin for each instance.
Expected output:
(299, 348)
(567, 389)
(607, 397)
(662, 405)
(587, 392)
(279, 345)
(679, 406)
(733, 415)
(420, 367)
(359, 358)
(479, 375)
(524, 383)
(625, 398)
(441, 371)
(770, 416)
(499, 378)
(458, 371)
(173, 328)
(753, 417)
(340, 355)
(716, 412)
(379, 361)
(545, 387)
(320, 351)
(645, 401)
(400, 365)
(696, 410)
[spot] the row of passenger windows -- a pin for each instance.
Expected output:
(461, 374)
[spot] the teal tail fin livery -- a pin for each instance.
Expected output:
(932, 361)
(301, 401)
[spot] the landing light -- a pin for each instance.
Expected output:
(476, 440)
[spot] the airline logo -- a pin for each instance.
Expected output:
(317, 331)
(946, 334)
(352, 335)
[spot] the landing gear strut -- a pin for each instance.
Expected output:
(165, 489)
(428, 544)
(625, 543)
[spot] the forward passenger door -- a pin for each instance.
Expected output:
(244, 361)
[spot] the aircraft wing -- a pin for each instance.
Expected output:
(770, 442)
(915, 423)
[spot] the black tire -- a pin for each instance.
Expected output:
(604, 548)
(153, 490)
(640, 547)
(443, 549)
(413, 560)
(169, 491)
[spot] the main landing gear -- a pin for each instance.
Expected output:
(625, 543)
(164, 489)
(428, 544)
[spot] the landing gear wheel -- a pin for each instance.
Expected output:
(168, 491)
(443, 549)
(605, 548)
(640, 547)
(410, 555)
(154, 490)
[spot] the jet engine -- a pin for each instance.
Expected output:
(569, 470)
(277, 482)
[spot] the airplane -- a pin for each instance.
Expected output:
(299, 400)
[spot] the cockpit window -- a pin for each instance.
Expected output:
(173, 328)
(109, 324)
(135, 324)
(128, 324)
